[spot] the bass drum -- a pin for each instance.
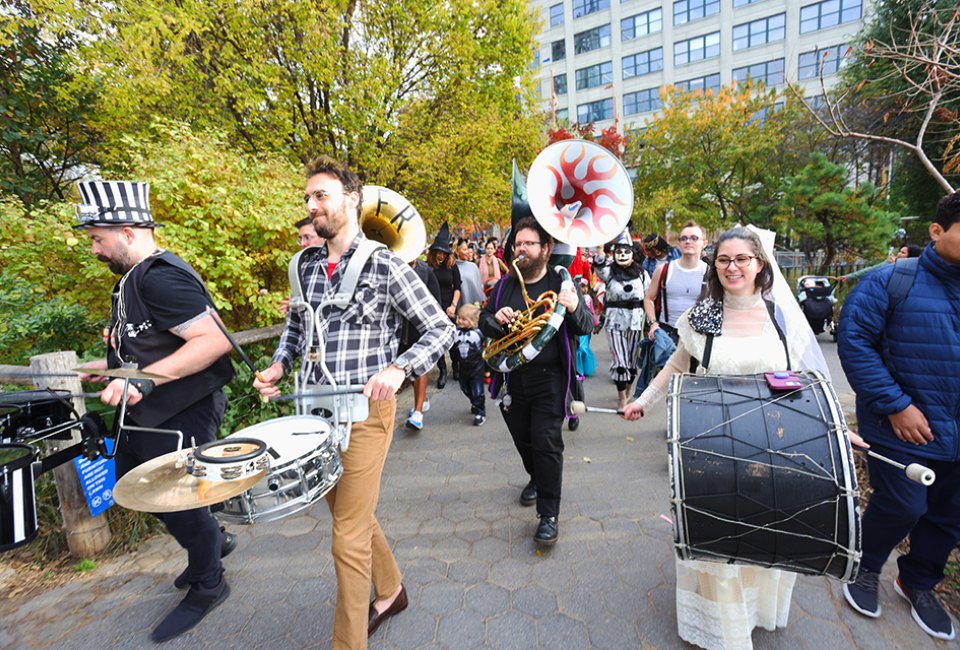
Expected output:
(763, 477)
(18, 511)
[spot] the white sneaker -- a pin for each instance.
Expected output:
(415, 421)
(426, 405)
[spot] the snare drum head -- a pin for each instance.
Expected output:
(288, 438)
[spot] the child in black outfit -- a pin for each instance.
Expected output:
(468, 347)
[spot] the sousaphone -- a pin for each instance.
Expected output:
(582, 196)
(387, 217)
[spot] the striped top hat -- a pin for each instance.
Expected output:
(624, 239)
(114, 203)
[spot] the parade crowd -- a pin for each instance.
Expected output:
(666, 305)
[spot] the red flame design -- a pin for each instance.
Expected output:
(604, 219)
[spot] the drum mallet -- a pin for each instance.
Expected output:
(236, 347)
(579, 408)
(914, 471)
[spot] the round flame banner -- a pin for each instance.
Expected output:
(572, 171)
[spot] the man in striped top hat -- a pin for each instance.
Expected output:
(159, 323)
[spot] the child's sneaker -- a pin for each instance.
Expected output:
(415, 421)
(426, 405)
(478, 420)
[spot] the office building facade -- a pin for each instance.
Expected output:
(601, 59)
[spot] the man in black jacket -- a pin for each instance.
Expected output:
(536, 394)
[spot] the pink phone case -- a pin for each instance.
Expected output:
(782, 380)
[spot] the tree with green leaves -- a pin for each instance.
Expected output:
(425, 98)
(47, 99)
(819, 209)
(708, 157)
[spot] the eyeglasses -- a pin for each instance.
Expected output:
(741, 261)
(316, 195)
(526, 244)
(690, 238)
(302, 239)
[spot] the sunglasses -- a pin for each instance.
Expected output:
(693, 238)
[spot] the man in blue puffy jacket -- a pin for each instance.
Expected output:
(902, 357)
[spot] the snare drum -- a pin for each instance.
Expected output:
(304, 466)
(18, 511)
(26, 413)
(763, 477)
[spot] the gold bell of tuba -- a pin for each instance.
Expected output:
(387, 217)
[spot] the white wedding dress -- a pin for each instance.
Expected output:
(719, 605)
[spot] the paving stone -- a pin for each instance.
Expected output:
(514, 630)
(487, 600)
(412, 628)
(441, 598)
(559, 631)
(461, 629)
(534, 601)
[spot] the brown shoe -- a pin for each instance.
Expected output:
(399, 604)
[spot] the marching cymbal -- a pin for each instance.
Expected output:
(122, 373)
(160, 485)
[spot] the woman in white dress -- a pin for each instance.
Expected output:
(719, 605)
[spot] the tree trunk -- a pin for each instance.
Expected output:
(86, 535)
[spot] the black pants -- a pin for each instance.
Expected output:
(195, 530)
(535, 419)
(471, 385)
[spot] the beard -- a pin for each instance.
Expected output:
(335, 222)
(532, 267)
(119, 264)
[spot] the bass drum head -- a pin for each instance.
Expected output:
(761, 478)
(18, 512)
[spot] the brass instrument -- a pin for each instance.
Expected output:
(581, 194)
(525, 325)
(387, 217)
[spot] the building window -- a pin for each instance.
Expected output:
(769, 72)
(592, 39)
(560, 84)
(828, 13)
(642, 101)
(685, 11)
(595, 75)
(703, 84)
(595, 111)
(556, 15)
(649, 22)
(585, 7)
(563, 114)
(558, 50)
(765, 112)
(831, 58)
(758, 32)
(643, 63)
(696, 49)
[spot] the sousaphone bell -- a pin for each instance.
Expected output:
(387, 217)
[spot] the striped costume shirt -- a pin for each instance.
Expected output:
(361, 340)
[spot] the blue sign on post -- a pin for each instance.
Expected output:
(97, 478)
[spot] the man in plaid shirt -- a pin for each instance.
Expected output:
(360, 343)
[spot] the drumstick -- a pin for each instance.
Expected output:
(914, 471)
(236, 346)
(579, 408)
(319, 393)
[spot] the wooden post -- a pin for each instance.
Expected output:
(86, 535)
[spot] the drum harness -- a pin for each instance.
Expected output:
(314, 354)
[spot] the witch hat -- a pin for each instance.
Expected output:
(442, 241)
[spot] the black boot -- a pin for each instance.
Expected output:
(547, 531)
(442, 377)
(192, 609)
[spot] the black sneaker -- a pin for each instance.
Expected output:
(528, 496)
(573, 424)
(927, 611)
(862, 594)
(478, 420)
(547, 532)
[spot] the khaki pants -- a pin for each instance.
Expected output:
(360, 551)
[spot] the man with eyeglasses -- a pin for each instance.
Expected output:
(535, 395)
(360, 342)
(307, 235)
(677, 284)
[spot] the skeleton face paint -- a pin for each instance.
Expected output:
(623, 255)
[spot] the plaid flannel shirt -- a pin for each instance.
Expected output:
(362, 339)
